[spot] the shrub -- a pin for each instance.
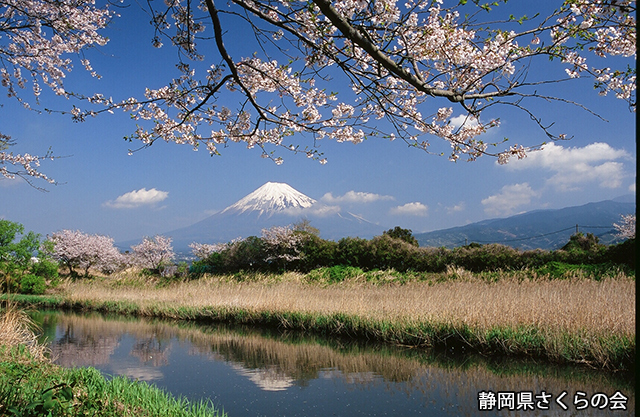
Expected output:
(623, 253)
(388, 252)
(402, 234)
(15, 255)
(430, 259)
(32, 284)
(354, 251)
(211, 264)
(491, 257)
(200, 268)
(246, 254)
(564, 270)
(582, 249)
(535, 258)
(46, 269)
(335, 274)
(316, 253)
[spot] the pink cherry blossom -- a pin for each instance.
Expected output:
(415, 64)
(79, 250)
(627, 227)
(153, 252)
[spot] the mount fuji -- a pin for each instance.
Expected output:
(273, 204)
(270, 199)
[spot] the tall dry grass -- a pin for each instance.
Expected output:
(584, 305)
(16, 329)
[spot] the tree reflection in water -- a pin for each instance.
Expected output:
(235, 364)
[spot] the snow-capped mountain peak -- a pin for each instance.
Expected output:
(272, 197)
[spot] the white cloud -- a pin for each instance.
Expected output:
(355, 197)
(632, 188)
(8, 182)
(317, 210)
(410, 209)
(596, 162)
(509, 199)
(137, 198)
(464, 119)
(454, 209)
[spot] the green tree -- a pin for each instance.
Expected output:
(402, 234)
(15, 256)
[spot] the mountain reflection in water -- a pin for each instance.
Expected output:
(251, 372)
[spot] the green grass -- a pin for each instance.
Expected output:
(562, 270)
(31, 387)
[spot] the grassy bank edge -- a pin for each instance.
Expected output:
(610, 352)
(31, 385)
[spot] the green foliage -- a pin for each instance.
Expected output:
(402, 234)
(354, 251)
(387, 252)
(183, 269)
(580, 242)
(213, 263)
(31, 388)
(335, 274)
(316, 252)
(32, 284)
(49, 402)
(248, 254)
(490, 257)
(46, 269)
(15, 256)
(623, 253)
(562, 270)
(393, 250)
(16, 252)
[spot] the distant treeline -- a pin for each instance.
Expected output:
(397, 249)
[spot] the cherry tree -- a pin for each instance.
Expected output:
(282, 243)
(408, 68)
(153, 253)
(627, 227)
(79, 250)
(204, 250)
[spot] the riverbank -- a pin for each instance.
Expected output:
(571, 320)
(30, 385)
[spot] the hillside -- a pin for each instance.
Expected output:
(544, 229)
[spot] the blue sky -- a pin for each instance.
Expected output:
(104, 190)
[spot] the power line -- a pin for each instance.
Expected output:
(530, 237)
(576, 227)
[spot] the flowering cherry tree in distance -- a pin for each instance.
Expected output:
(627, 227)
(283, 243)
(204, 250)
(153, 252)
(408, 67)
(79, 250)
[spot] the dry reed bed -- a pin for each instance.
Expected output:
(573, 305)
(17, 329)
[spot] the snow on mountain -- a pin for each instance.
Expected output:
(273, 204)
(272, 197)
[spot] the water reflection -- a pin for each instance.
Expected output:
(251, 372)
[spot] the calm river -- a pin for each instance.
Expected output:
(259, 372)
